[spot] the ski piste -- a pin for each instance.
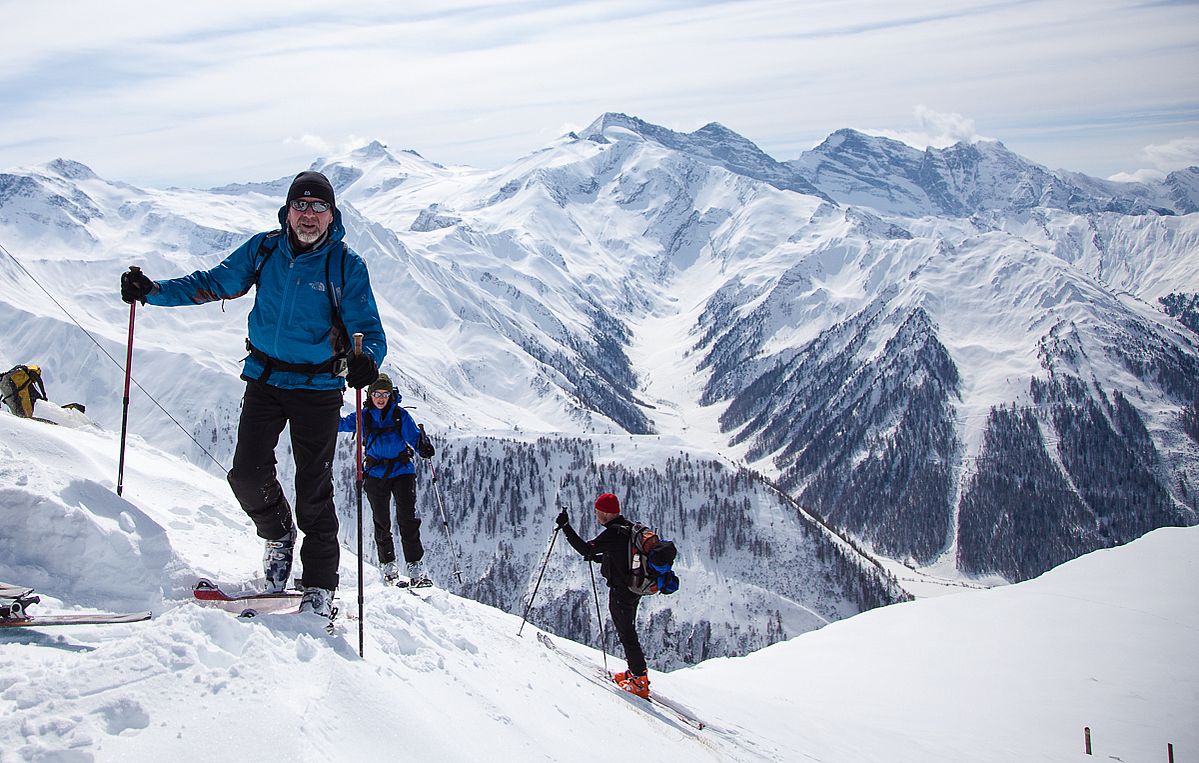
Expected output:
(16, 600)
(250, 604)
(598, 675)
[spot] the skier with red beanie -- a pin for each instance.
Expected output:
(611, 549)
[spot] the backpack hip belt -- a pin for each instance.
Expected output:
(334, 366)
(403, 459)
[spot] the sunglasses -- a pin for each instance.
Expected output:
(303, 205)
(380, 393)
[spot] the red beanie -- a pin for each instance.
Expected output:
(608, 504)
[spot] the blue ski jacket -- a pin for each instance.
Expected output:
(389, 438)
(292, 317)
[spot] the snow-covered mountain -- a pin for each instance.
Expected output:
(972, 178)
(955, 359)
(1104, 643)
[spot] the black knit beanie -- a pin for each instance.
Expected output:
(311, 184)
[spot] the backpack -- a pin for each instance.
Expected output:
(650, 562)
(20, 388)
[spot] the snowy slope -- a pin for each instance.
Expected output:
(1000, 675)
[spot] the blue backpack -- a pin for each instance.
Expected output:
(650, 562)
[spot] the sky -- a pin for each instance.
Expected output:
(202, 94)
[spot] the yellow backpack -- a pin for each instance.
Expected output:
(20, 388)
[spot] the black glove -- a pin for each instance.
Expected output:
(562, 520)
(135, 286)
(425, 448)
(362, 370)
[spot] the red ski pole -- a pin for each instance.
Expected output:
(358, 471)
(125, 400)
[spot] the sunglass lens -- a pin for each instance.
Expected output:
(302, 205)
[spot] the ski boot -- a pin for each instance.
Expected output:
(276, 562)
(318, 601)
(417, 577)
(633, 684)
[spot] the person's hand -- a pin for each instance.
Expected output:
(361, 370)
(563, 520)
(135, 287)
(425, 448)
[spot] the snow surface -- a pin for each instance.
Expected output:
(1009, 674)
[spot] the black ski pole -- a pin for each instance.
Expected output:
(598, 616)
(125, 400)
(525, 618)
(359, 477)
(444, 522)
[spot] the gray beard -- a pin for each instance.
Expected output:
(305, 242)
(308, 239)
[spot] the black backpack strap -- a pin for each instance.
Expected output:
(266, 247)
(341, 349)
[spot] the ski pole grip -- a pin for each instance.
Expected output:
(358, 343)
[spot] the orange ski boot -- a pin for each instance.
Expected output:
(638, 685)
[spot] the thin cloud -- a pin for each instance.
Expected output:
(210, 94)
(935, 129)
(1163, 159)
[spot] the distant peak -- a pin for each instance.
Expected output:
(70, 169)
(611, 119)
(847, 137)
(715, 129)
(710, 134)
(373, 150)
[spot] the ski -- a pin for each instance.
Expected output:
(16, 600)
(421, 589)
(83, 618)
(251, 604)
(9, 591)
(599, 676)
(425, 583)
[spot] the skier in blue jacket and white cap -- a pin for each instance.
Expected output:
(313, 293)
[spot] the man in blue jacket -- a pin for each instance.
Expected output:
(313, 293)
(389, 436)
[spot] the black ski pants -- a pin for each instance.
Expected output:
(312, 416)
(622, 606)
(380, 492)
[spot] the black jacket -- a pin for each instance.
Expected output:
(610, 548)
